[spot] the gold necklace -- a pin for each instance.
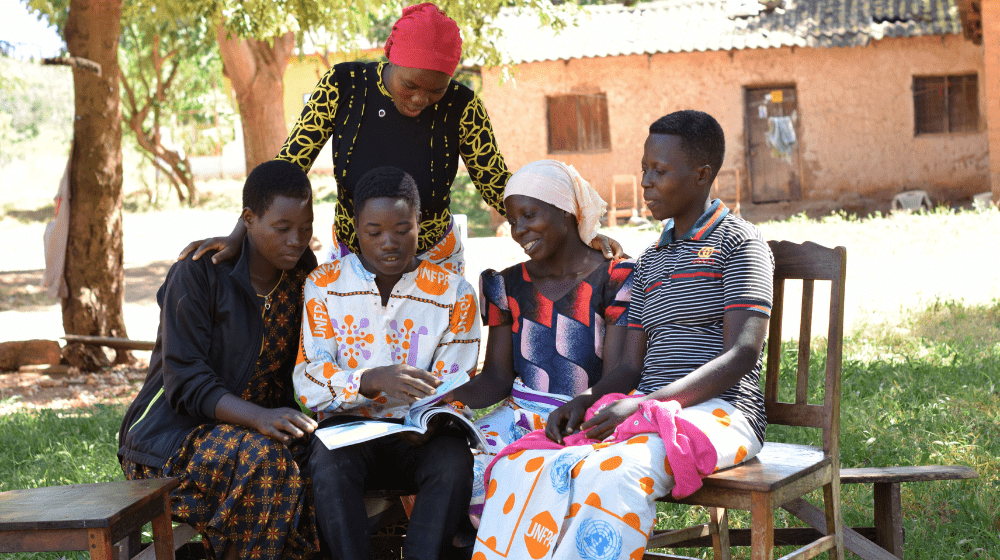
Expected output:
(267, 298)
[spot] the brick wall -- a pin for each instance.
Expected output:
(991, 87)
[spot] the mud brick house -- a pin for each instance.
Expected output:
(826, 103)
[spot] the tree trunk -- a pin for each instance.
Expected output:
(94, 271)
(256, 70)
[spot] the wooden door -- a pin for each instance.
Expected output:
(773, 144)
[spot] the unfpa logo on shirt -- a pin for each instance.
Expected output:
(463, 314)
(319, 321)
(326, 274)
(541, 532)
(432, 279)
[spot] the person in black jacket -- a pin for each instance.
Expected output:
(217, 409)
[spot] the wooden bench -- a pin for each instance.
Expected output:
(110, 342)
(117, 344)
(888, 514)
(90, 517)
(883, 540)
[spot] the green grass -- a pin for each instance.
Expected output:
(56, 447)
(465, 199)
(922, 392)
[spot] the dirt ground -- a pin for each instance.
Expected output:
(27, 312)
(31, 390)
(152, 243)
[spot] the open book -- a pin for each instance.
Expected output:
(416, 420)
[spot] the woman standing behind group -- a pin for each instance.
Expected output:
(557, 321)
(406, 112)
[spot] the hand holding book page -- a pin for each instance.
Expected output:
(416, 420)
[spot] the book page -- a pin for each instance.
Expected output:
(415, 416)
(415, 421)
(357, 432)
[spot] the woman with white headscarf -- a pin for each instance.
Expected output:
(556, 321)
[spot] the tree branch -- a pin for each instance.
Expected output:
(75, 62)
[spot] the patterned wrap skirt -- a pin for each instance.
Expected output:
(595, 502)
(240, 488)
(524, 411)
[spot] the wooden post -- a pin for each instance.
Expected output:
(613, 209)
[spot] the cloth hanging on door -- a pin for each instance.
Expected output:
(781, 136)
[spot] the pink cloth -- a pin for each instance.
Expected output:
(691, 454)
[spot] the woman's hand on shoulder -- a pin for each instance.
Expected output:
(226, 249)
(284, 424)
(609, 247)
(603, 423)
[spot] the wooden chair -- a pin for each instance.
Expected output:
(90, 517)
(781, 474)
(729, 189)
(627, 207)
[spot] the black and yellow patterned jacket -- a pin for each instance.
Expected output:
(458, 125)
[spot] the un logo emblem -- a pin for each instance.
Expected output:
(598, 540)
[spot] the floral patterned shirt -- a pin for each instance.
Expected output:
(430, 322)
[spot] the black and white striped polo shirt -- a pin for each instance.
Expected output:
(683, 288)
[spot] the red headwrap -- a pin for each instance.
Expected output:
(425, 38)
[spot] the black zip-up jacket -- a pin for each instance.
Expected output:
(207, 345)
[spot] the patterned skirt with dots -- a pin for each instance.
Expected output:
(596, 502)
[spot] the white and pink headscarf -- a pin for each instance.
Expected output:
(561, 186)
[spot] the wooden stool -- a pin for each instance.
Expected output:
(87, 517)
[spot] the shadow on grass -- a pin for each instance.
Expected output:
(958, 324)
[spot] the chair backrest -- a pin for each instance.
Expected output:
(624, 182)
(807, 262)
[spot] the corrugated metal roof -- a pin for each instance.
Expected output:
(712, 25)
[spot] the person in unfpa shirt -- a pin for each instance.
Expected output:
(381, 330)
